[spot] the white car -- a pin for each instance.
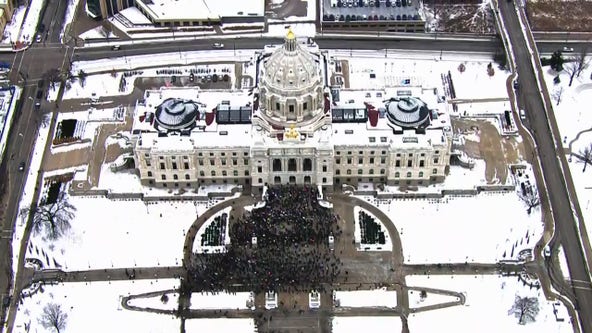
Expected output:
(218, 45)
(568, 49)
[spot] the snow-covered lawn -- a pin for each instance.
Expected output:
(70, 12)
(489, 299)
(27, 195)
(366, 298)
(431, 298)
(12, 29)
(421, 68)
(366, 324)
(97, 307)
(107, 233)
(571, 113)
(29, 27)
(482, 228)
(106, 84)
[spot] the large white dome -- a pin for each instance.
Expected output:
(291, 86)
(290, 67)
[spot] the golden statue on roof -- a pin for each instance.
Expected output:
(292, 133)
(290, 34)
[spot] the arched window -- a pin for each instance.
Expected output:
(307, 164)
(292, 164)
(277, 164)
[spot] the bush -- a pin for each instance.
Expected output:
(545, 61)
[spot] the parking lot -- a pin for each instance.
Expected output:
(370, 10)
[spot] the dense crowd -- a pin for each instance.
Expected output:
(291, 252)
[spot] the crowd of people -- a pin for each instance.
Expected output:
(291, 251)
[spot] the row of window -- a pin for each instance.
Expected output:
(383, 152)
(224, 173)
(201, 154)
(371, 160)
(382, 172)
(223, 162)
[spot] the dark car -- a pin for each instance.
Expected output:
(41, 28)
(39, 94)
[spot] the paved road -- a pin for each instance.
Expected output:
(552, 161)
(22, 134)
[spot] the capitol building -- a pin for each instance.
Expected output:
(292, 127)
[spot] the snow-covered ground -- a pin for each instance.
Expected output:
(366, 298)
(484, 228)
(96, 306)
(366, 324)
(570, 112)
(13, 28)
(489, 299)
(431, 298)
(107, 84)
(27, 195)
(70, 12)
(103, 227)
(569, 107)
(29, 27)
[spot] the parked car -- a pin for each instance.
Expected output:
(38, 38)
(218, 46)
(39, 94)
(568, 49)
(116, 47)
(21, 167)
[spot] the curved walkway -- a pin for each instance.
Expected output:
(577, 138)
(389, 225)
(243, 200)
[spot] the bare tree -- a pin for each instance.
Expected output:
(105, 31)
(53, 317)
(531, 198)
(82, 77)
(585, 155)
(557, 94)
(53, 76)
(525, 309)
(582, 60)
(490, 70)
(572, 69)
(53, 218)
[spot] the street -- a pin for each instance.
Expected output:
(553, 163)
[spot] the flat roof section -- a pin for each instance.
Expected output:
(190, 10)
